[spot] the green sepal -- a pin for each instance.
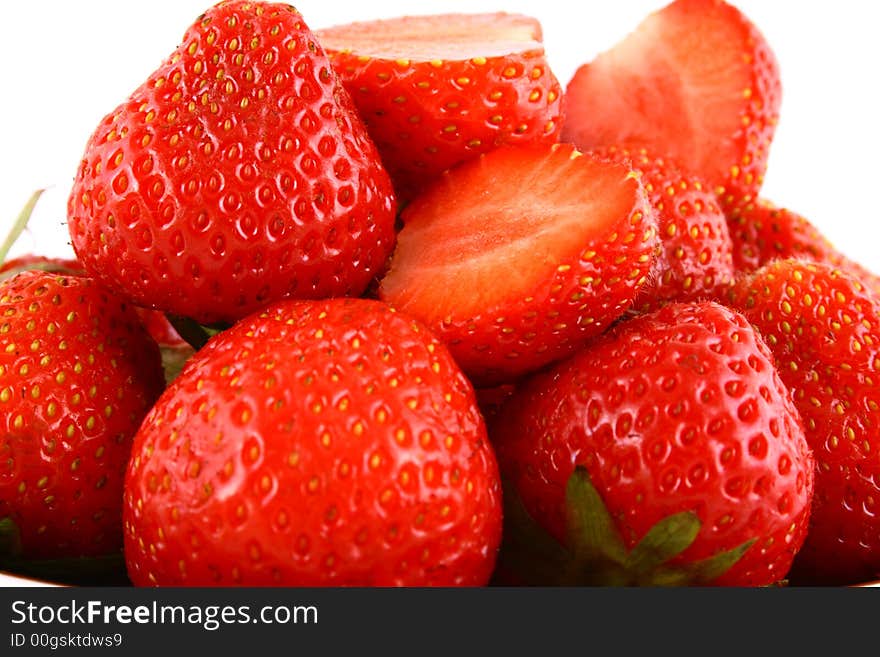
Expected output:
(595, 554)
(713, 567)
(20, 223)
(193, 333)
(664, 541)
(173, 360)
(592, 533)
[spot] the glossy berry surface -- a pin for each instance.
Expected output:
(823, 327)
(678, 410)
(763, 232)
(236, 174)
(77, 375)
(695, 261)
(317, 443)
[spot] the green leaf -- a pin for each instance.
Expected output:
(665, 540)
(592, 532)
(19, 224)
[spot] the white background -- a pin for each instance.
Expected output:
(65, 64)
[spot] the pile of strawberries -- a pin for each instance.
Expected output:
(451, 324)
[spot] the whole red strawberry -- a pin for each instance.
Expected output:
(695, 261)
(436, 91)
(316, 443)
(823, 327)
(155, 322)
(238, 173)
(77, 375)
(763, 232)
(518, 257)
(695, 81)
(667, 452)
(33, 262)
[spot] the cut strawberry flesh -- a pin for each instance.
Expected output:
(679, 84)
(495, 229)
(437, 37)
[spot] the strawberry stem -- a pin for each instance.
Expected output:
(19, 224)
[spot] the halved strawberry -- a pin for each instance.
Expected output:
(695, 261)
(696, 81)
(437, 90)
(516, 258)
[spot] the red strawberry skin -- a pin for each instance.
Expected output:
(157, 325)
(823, 327)
(696, 81)
(517, 258)
(427, 114)
(695, 261)
(31, 261)
(77, 375)
(679, 410)
(316, 443)
(238, 173)
(763, 232)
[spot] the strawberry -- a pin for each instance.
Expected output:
(824, 329)
(695, 81)
(316, 443)
(238, 173)
(32, 262)
(77, 375)
(668, 451)
(695, 260)
(436, 91)
(518, 257)
(762, 232)
(175, 350)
